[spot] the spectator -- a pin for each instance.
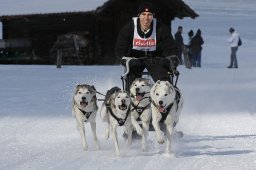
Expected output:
(233, 41)
(180, 43)
(196, 49)
(190, 36)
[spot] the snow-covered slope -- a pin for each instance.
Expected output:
(219, 116)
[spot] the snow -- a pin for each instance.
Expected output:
(218, 120)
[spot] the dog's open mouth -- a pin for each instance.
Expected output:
(122, 106)
(139, 96)
(161, 109)
(83, 103)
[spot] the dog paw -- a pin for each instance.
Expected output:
(85, 148)
(139, 131)
(98, 146)
(160, 138)
(143, 148)
(117, 153)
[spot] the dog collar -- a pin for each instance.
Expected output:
(120, 121)
(86, 114)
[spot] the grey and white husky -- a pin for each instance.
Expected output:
(84, 109)
(140, 107)
(166, 105)
(115, 111)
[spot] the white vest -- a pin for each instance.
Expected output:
(141, 43)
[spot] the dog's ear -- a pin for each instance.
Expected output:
(92, 86)
(77, 88)
(158, 82)
(167, 83)
(153, 88)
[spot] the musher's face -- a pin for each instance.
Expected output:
(145, 20)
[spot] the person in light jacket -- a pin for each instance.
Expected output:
(233, 41)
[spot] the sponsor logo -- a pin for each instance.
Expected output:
(144, 43)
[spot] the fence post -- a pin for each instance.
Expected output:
(59, 58)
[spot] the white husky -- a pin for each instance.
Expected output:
(140, 107)
(84, 109)
(115, 111)
(166, 105)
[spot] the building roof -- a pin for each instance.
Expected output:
(17, 8)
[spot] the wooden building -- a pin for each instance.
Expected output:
(32, 38)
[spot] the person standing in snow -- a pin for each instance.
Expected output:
(187, 51)
(196, 48)
(180, 43)
(233, 41)
(151, 44)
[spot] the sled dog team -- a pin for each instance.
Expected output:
(134, 110)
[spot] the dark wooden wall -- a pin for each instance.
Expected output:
(43, 30)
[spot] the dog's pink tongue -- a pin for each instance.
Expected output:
(161, 109)
(138, 97)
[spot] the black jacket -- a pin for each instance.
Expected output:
(179, 40)
(166, 45)
(196, 43)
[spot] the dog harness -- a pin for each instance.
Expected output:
(86, 114)
(164, 113)
(120, 121)
(138, 109)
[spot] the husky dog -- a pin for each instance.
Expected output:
(140, 107)
(84, 109)
(115, 111)
(166, 105)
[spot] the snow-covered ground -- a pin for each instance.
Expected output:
(38, 132)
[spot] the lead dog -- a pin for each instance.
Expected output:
(84, 109)
(166, 105)
(115, 112)
(140, 107)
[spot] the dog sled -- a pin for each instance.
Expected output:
(126, 80)
(174, 76)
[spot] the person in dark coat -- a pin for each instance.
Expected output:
(180, 43)
(196, 49)
(150, 42)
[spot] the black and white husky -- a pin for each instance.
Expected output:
(166, 105)
(115, 111)
(140, 107)
(84, 109)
